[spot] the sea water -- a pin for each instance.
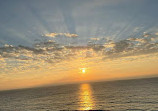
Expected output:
(123, 95)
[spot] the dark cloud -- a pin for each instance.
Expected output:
(133, 46)
(121, 46)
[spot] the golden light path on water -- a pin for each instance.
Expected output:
(86, 97)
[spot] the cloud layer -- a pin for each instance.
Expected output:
(44, 53)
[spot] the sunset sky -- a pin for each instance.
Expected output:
(45, 42)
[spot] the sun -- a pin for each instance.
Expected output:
(83, 70)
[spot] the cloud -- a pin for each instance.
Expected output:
(132, 46)
(142, 40)
(45, 53)
(61, 34)
(121, 46)
(51, 34)
(109, 45)
(40, 55)
(70, 35)
(146, 35)
(95, 39)
(156, 33)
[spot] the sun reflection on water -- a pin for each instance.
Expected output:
(86, 99)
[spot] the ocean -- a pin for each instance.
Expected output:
(122, 95)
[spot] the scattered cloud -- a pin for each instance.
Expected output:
(47, 52)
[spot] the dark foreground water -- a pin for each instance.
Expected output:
(134, 95)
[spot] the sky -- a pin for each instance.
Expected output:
(67, 41)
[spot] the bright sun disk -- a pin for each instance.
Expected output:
(83, 70)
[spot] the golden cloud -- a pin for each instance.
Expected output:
(95, 39)
(61, 34)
